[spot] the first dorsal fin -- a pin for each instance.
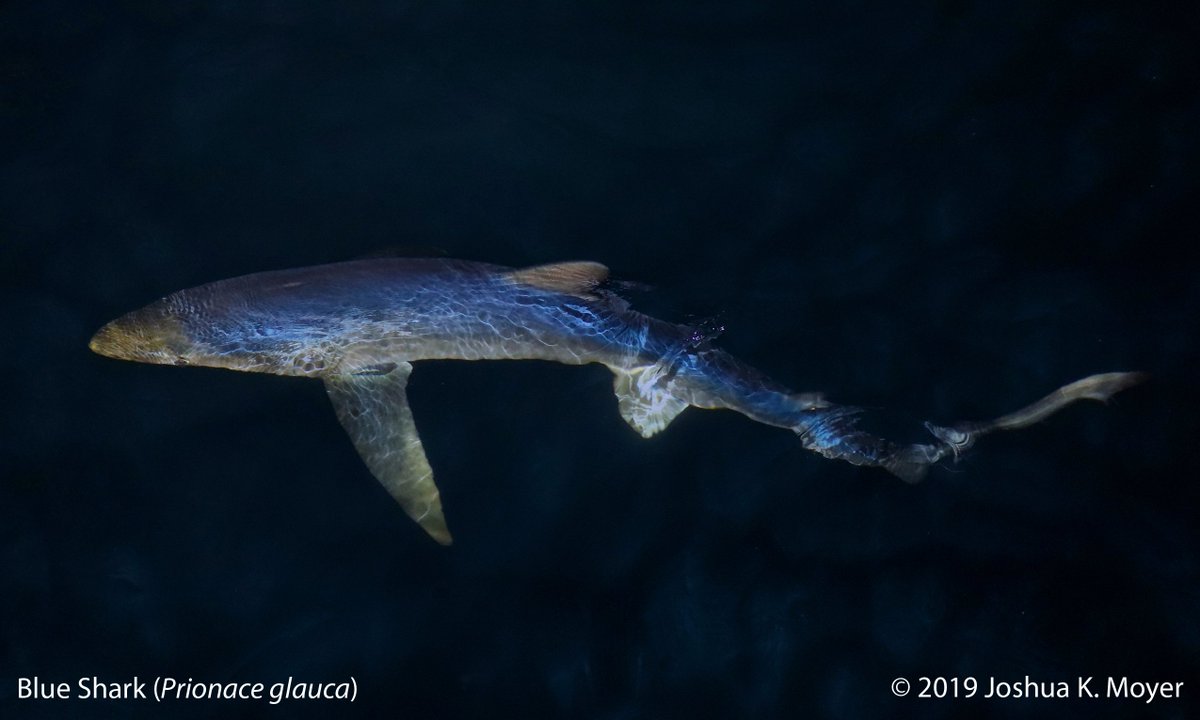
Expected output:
(573, 278)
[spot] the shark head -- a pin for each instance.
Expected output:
(153, 334)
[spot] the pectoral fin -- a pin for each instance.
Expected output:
(373, 407)
(645, 404)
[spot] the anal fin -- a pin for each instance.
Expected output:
(645, 404)
(373, 407)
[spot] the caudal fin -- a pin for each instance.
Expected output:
(834, 433)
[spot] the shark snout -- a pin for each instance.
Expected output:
(107, 341)
(148, 335)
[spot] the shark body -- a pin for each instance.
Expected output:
(360, 325)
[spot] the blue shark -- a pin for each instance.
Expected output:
(359, 326)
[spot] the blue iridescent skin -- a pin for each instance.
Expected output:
(359, 325)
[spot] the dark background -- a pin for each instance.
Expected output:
(947, 208)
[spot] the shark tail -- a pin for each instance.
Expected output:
(834, 432)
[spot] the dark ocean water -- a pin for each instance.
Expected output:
(946, 208)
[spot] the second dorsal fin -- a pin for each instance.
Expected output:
(573, 278)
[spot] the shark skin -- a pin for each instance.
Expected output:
(358, 326)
